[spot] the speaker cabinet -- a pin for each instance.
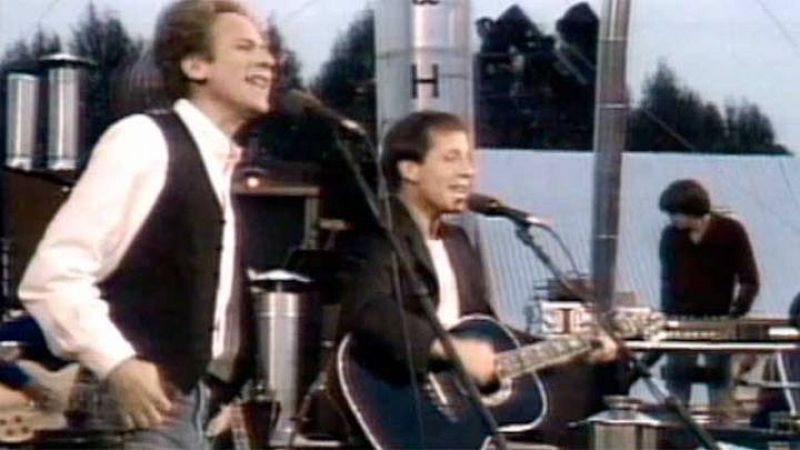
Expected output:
(276, 218)
(31, 198)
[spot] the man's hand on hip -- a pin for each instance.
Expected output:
(137, 389)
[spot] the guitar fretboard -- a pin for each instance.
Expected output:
(541, 355)
(561, 349)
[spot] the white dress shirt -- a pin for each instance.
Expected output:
(92, 231)
(449, 309)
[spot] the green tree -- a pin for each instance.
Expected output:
(749, 130)
(24, 55)
(288, 70)
(103, 38)
(672, 117)
(278, 135)
(347, 80)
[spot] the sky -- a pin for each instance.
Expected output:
(726, 50)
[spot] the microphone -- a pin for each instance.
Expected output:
(297, 102)
(483, 204)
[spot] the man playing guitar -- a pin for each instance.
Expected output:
(429, 165)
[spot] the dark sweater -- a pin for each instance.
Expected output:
(699, 279)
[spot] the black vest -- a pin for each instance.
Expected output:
(162, 295)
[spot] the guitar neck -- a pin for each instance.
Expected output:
(541, 355)
(554, 351)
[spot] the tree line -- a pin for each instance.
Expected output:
(533, 90)
(123, 79)
(536, 91)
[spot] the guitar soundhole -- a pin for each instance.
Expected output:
(490, 388)
(496, 393)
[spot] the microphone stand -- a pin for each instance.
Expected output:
(421, 292)
(769, 384)
(642, 371)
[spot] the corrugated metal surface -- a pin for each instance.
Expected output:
(762, 192)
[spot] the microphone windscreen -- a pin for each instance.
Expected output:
(482, 204)
(295, 102)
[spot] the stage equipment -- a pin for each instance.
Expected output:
(21, 119)
(278, 206)
(66, 81)
(31, 200)
(623, 425)
(288, 318)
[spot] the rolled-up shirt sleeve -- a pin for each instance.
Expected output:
(86, 240)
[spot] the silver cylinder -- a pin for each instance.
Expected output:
(623, 426)
(65, 78)
(279, 320)
(423, 59)
(21, 119)
(287, 321)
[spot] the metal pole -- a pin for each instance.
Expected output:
(611, 109)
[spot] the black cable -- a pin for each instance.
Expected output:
(667, 128)
(564, 249)
(47, 10)
(301, 9)
(783, 30)
(385, 205)
(648, 113)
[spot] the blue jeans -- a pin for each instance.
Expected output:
(183, 429)
(679, 383)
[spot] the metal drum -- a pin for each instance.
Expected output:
(65, 85)
(21, 119)
(623, 426)
(288, 326)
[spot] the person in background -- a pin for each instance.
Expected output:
(707, 270)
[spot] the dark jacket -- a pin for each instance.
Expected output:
(369, 309)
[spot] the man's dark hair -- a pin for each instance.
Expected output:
(411, 138)
(687, 197)
(183, 29)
